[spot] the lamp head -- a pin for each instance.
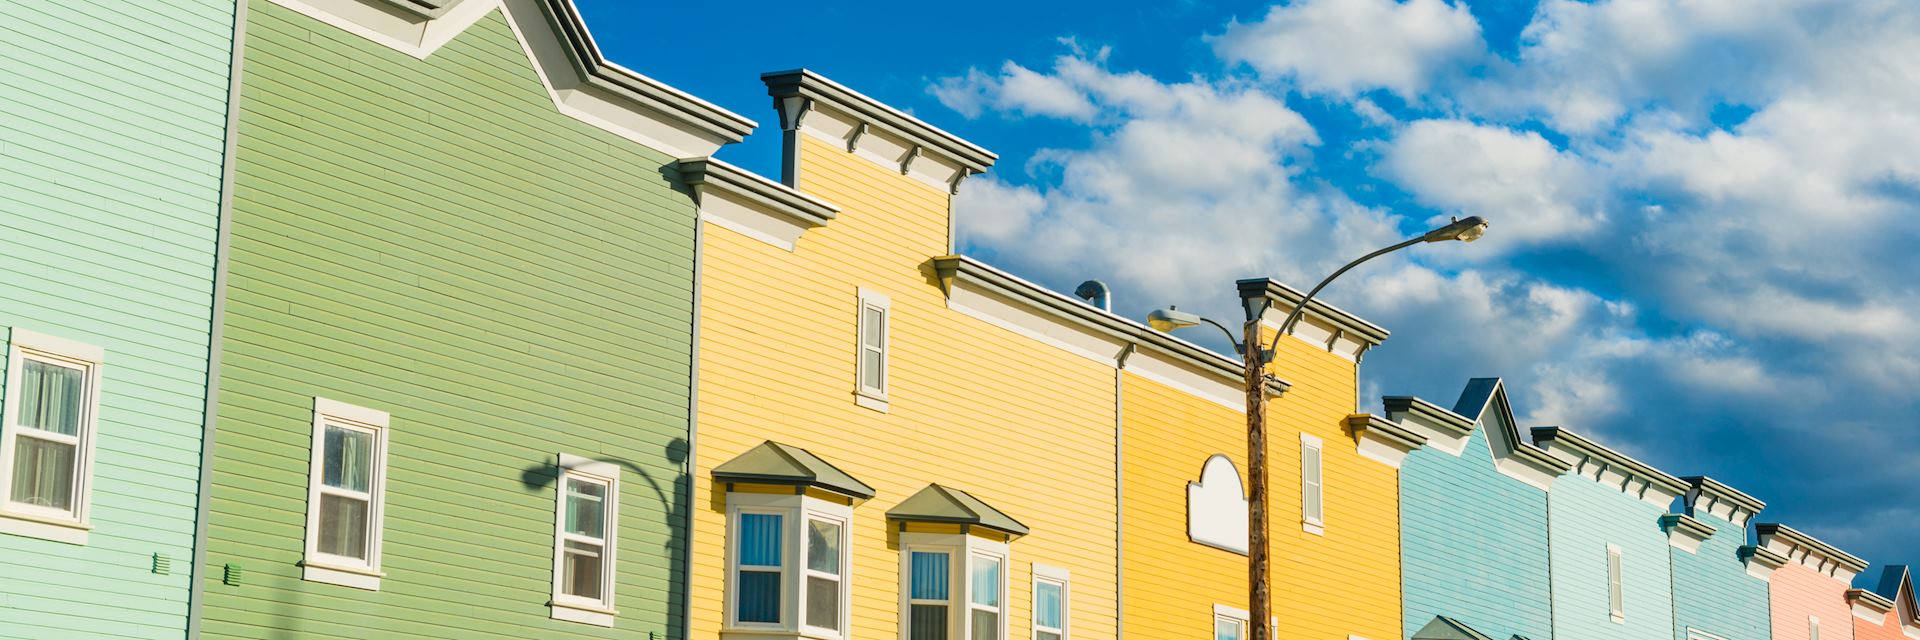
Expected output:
(1168, 319)
(1466, 229)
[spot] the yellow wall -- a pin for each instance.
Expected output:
(1026, 427)
(1325, 587)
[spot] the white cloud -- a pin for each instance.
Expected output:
(1528, 190)
(1016, 89)
(1345, 47)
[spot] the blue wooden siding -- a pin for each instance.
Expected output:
(1474, 544)
(112, 132)
(1584, 518)
(1712, 591)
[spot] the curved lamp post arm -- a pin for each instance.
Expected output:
(1286, 327)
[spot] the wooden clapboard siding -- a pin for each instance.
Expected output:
(1797, 593)
(112, 135)
(1474, 543)
(1712, 591)
(1586, 516)
(1024, 426)
(432, 238)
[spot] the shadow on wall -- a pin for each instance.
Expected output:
(673, 494)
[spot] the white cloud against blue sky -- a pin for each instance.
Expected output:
(1704, 212)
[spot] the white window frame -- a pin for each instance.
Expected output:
(326, 567)
(572, 608)
(796, 511)
(1000, 609)
(1237, 616)
(1696, 634)
(962, 549)
(60, 525)
(1813, 627)
(1616, 584)
(1313, 490)
(873, 397)
(1044, 574)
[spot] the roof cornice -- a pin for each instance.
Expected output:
(1431, 413)
(1706, 496)
(1874, 602)
(1383, 440)
(1285, 298)
(805, 83)
(1797, 543)
(597, 70)
(1594, 460)
(803, 208)
(963, 269)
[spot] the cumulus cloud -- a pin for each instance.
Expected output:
(1345, 47)
(1517, 180)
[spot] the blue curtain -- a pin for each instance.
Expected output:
(1047, 609)
(760, 546)
(929, 576)
(760, 539)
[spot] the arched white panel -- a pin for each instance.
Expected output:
(1217, 507)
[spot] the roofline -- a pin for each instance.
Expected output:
(1721, 491)
(975, 522)
(809, 84)
(424, 8)
(1595, 449)
(802, 208)
(597, 70)
(1094, 319)
(1854, 563)
(1276, 291)
(1876, 601)
(1420, 407)
(1389, 429)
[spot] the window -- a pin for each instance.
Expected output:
(1229, 623)
(927, 600)
(946, 600)
(345, 501)
(1050, 609)
(1813, 628)
(46, 436)
(788, 567)
(874, 327)
(585, 519)
(1616, 597)
(1312, 486)
(983, 602)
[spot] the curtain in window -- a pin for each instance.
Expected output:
(50, 397)
(1046, 606)
(583, 569)
(929, 576)
(986, 582)
(760, 546)
(929, 580)
(43, 473)
(586, 508)
(348, 459)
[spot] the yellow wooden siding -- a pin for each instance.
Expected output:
(1023, 426)
(1325, 587)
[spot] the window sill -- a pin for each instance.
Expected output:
(355, 577)
(731, 633)
(1314, 528)
(44, 528)
(584, 615)
(870, 401)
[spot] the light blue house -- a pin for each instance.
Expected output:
(1473, 520)
(1714, 596)
(113, 133)
(1612, 574)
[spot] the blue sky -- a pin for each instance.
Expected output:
(1703, 211)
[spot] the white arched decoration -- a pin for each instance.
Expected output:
(1217, 507)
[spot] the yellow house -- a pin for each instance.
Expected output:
(1333, 496)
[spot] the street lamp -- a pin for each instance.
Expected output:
(1255, 358)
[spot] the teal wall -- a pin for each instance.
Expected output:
(1473, 544)
(112, 133)
(1584, 517)
(432, 238)
(1712, 591)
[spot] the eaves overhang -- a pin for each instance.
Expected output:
(1809, 551)
(808, 85)
(1685, 532)
(1402, 407)
(947, 505)
(780, 464)
(1285, 298)
(596, 70)
(1706, 496)
(1595, 460)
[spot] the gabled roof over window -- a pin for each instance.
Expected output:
(775, 463)
(1445, 628)
(946, 505)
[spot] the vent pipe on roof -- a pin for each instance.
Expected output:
(1095, 293)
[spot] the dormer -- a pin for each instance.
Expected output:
(1808, 551)
(1484, 402)
(1610, 468)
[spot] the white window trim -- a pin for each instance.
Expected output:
(795, 511)
(1813, 627)
(575, 608)
(1314, 523)
(961, 548)
(1063, 579)
(873, 397)
(1224, 613)
(1616, 584)
(1696, 634)
(1001, 606)
(69, 526)
(328, 568)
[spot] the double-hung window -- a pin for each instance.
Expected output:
(345, 494)
(874, 329)
(955, 587)
(1616, 593)
(46, 436)
(1229, 623)
(929, 599)
(1312, 485)
(1050, 609)
(788, 567)
(984, 591)
(1813, 628)
(585, 520)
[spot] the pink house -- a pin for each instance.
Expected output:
(1888, 611)
(1808, 580)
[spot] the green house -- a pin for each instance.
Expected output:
(456, 370)
(113, 121)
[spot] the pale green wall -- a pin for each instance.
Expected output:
(112, 125)
(432, 238)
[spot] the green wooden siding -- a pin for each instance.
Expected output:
(432, 238)
(112, 133)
